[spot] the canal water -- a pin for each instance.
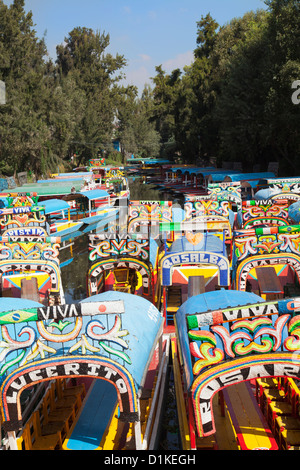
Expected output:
(74, 267)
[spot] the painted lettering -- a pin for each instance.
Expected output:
(72, 369)
(296, 94)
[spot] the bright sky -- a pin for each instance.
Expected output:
(147, 32)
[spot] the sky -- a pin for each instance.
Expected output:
(147, 33)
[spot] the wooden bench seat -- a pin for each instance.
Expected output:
(283, 424)
(277, 408)
(65, 390)
(32, 438)
(290, 438)
(274, 394)
(261, 385)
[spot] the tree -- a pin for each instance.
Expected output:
(135, 129)
(240, 103)
(282, 134)
(23, 130)
(206, 36)
(257, 119)
(83, 59)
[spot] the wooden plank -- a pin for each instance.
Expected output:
(196, 285)
(180, 401)
(268, 281)
(94, 418)
(250, 425)
(290, 438)
(225, 433)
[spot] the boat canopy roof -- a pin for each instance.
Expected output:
(294, 212)
(95, 194)
(191, 170)
(11, 303)
(248, 176)
(218, 300)
(150, 161)
(74, 174)
(91, 195)
(208, 242)
(56, 188)
(54, 205)
(143, 324)
(279, 180)
(203, 303)
(265, 194)
(218, 176)
(64, 180)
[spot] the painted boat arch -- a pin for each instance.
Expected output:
(263, 213)
(247, 339)
(265, 246)
(128, 260)
(195, 258)
(196, 249)
(244, 268)
(46, 370)
(109, 264)
(79, 346)
(40, 265)
(239, 370)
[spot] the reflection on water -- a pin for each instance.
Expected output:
(74, 266)
(143, 191)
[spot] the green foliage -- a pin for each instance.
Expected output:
(55, 110)
(234, 101)
(136, 132)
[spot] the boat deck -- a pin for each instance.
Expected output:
(248, 421)
(96, 413)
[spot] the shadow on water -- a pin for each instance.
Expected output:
(169, 433)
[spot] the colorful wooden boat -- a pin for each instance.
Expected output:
(128, 260)
(193, 264)
(197, 259)
(92, 207)
(262, 213)
(113, 343)
(76, 212)
(117, 183)
(29, 261)
(224, 339)
(58, 214)
(107, 177)
(266, 260)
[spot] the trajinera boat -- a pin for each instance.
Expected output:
(112, 346)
